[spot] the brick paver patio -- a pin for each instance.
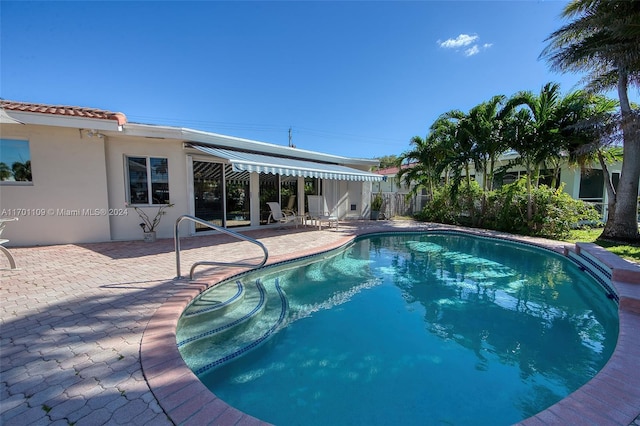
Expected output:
(73, 319)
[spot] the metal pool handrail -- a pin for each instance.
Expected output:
(176, 239)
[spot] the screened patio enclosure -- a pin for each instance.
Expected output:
(232, 188)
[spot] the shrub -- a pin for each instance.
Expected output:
(439, 209)
(376, 204)
(453, 206)
(507, 209)
(555, 213)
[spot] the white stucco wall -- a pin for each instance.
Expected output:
(355, 191)
(339, 196)
(570, 177)
(67, 200)
(126, 227)
(79, 180)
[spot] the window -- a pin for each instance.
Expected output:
(148, 180)
(591, 185)
(15, 161)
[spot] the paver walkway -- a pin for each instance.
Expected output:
(73, 317)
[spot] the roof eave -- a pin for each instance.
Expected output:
(232, 142)
(41, 119)
(267, 148)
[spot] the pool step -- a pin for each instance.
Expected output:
(597, 269)
(213, 326)
(208, 351)
(215, 302)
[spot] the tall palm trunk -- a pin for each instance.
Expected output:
(529, 196)
(536, 175)
(467, 175)
(469, 198)
(485, 176)
(488, 186)
(623, 224)
(492, 165)
(556, 174)
(611, 192)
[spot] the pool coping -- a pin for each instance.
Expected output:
(611, 397)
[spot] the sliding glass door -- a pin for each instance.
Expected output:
(268, 190)
(238, 202)
(221, 196)
(208, 193)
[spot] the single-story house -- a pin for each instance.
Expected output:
(74, 175)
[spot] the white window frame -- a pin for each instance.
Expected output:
(148, 159)
(19, 182)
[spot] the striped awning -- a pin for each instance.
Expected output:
(259, 163)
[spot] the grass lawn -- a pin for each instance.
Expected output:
(625, 251)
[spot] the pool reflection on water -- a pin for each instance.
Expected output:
(418, 328)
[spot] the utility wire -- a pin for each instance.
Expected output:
(301, 132)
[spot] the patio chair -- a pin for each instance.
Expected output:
(319, 212)
(278, 216)
(3, 223)
(290, 209)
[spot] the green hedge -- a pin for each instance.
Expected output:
(554, 212)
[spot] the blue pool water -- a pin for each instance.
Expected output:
(418, 329)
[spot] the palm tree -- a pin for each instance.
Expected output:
(430, 158)
(22, 171)
(485, 127)
(603, 41)
(520, 129)
(548, 109)
(593, 139)
(482, 129)
(452, 128)
(579, 119)
(421, 168)
(535, 131)
(557, 124)
(5, 172)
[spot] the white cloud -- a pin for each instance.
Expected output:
(465, 40)
(461, 40)
(473, 50)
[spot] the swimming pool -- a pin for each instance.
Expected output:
(397, 329)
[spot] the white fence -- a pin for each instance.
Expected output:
(396, 204)
(603, 208)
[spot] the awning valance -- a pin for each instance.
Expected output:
(259, 163)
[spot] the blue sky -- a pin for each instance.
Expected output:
(357, 79)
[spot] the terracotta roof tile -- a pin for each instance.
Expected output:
(70, 111)
(393, 170)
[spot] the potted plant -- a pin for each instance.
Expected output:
(376, 205)
(149, 225)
